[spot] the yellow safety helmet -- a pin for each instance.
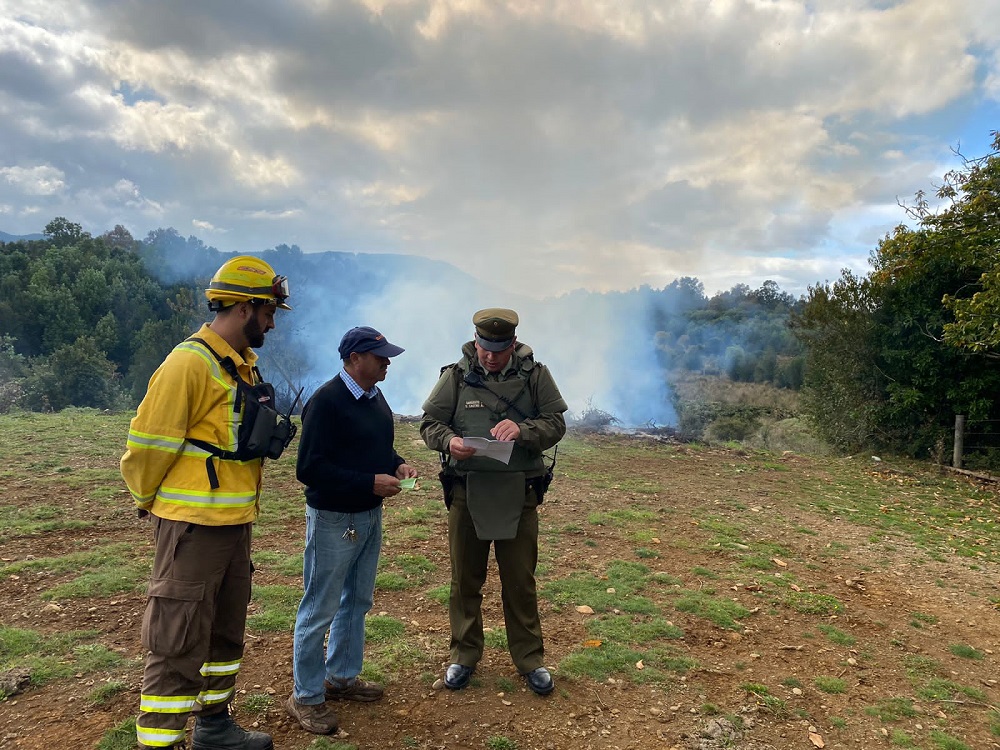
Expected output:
(246, 278)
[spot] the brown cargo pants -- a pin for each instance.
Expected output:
(193, 627)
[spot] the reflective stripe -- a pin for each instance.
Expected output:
(194, 499)
(195, 348)
(230, 388)
(153, 442)
(257, 291)
(153, 737)
(212, 697)
(166, 704)
(220, 667)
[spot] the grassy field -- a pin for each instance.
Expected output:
(691, 596)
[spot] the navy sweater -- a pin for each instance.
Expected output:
(344, 443)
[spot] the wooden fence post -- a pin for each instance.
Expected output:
(959, 448)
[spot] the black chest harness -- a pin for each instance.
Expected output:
(264, 431)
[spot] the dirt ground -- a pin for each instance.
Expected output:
(879, 584)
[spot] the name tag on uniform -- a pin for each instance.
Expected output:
(473, 404)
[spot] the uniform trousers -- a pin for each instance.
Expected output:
(516, 561)
(194, 625)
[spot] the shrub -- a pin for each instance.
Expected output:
(732, 427)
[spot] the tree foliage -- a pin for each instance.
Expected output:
(70, 306)
(741, 333)
(76, 374)
(61, 232)
(972, 224)
(79, 313)
(892, 357)
(85, 321)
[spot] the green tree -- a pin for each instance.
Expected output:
(62, 232)
(90, 290)
(766, 367)
(791, 372)
(156, 338)
(77, 374)
(740, 365)
(13, 369)
(69, 286)
(842, 389)
(888, 364)
(971, 224)
(119, 238)
(771, 297)
(740, 332)
(60, 316)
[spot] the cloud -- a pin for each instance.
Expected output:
(205, 226)
(40, 180)
(546, 144)
(271, 215)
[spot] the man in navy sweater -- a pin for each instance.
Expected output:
(348, 465)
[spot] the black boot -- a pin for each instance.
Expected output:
(220, 732)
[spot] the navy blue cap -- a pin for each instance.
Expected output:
(366, 339)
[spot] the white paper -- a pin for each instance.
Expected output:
(496, 449)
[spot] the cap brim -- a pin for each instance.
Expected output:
(493, 346)
(387, 350)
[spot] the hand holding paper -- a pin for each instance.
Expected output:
(458, 450)
(506, 429)
(496, 449)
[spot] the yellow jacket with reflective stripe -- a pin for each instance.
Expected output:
(191, 396)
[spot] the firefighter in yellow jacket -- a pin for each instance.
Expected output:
(182, 469)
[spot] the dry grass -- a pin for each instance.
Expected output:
(691, 387)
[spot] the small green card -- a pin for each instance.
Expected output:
(408, 484)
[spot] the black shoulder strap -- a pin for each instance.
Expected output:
(474, 380)
(229, 366)
(226, 363)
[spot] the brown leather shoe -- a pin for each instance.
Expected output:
(353, 690)
(318, 719)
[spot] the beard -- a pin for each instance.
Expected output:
(253, 332)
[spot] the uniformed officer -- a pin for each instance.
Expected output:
(496, 391)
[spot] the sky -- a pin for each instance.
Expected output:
(540, 145)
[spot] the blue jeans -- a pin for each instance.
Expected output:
(339, 583)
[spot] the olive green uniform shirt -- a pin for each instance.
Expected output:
(543, 427)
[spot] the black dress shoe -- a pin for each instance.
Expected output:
(540, 681)
(458, 676)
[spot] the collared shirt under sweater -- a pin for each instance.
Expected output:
(345, 442)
